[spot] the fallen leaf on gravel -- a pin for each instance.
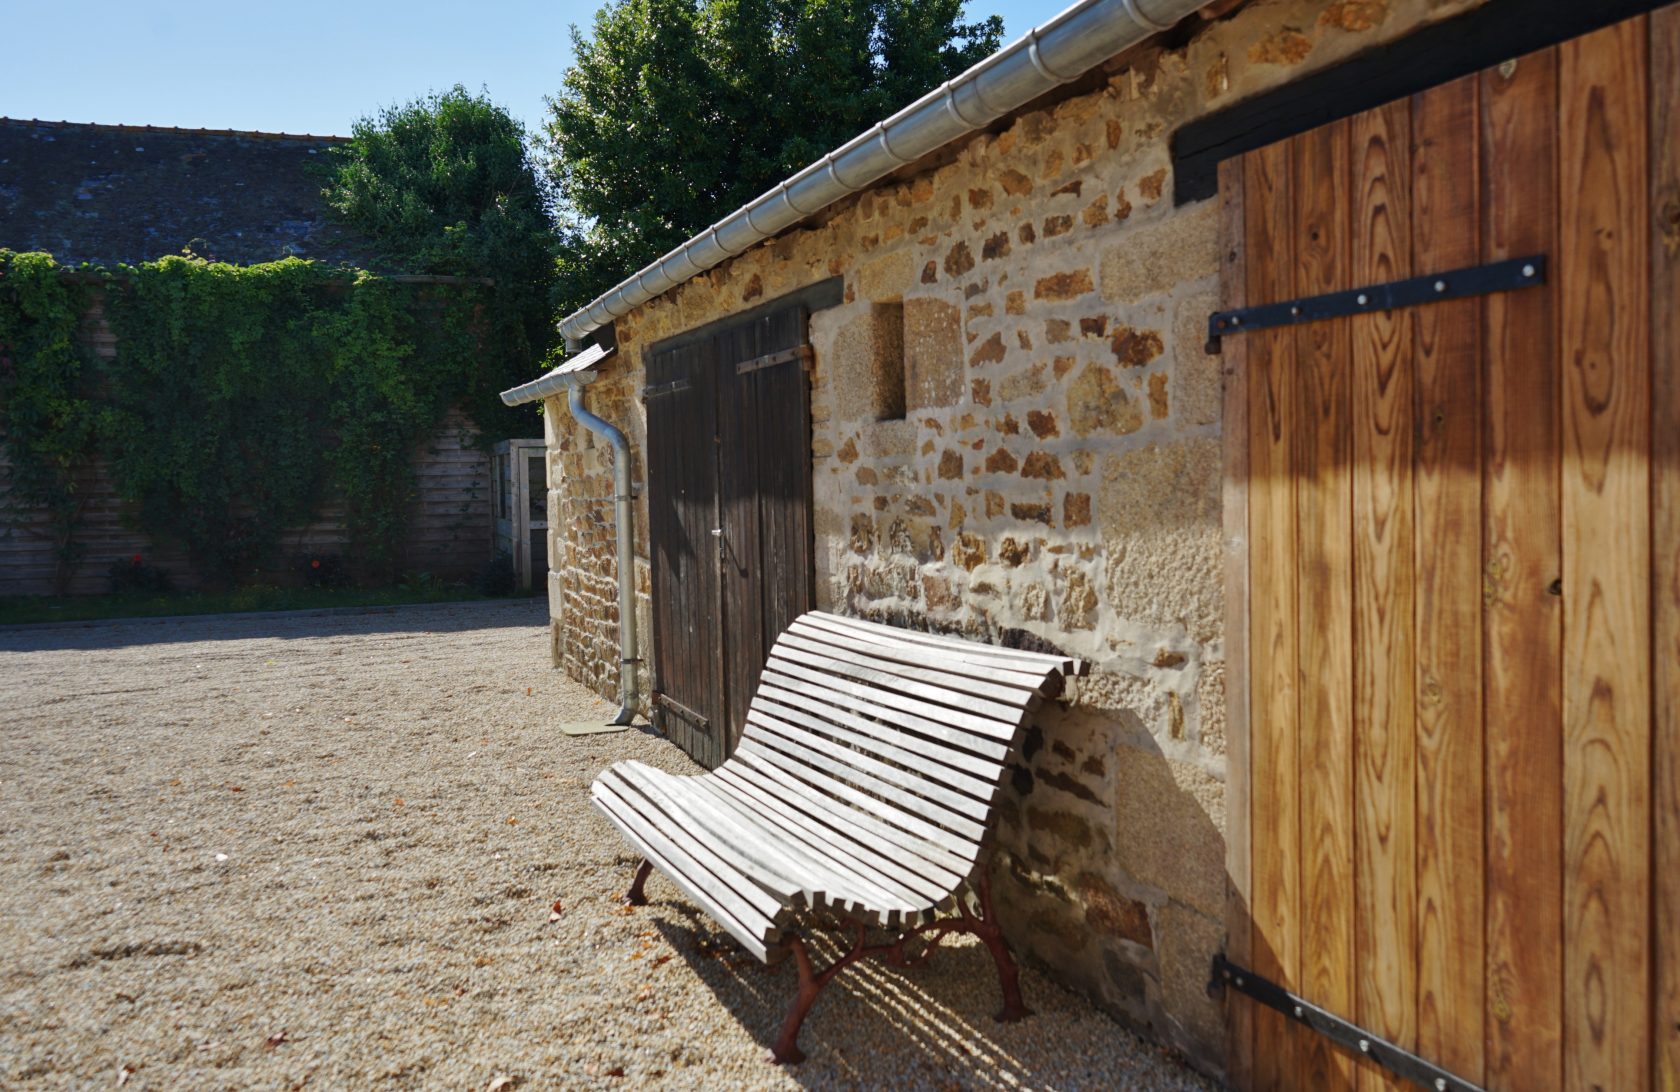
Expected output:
(236, 788)
(527, 691)
(512, 822)
(554, 912)
(275, 1040)
(500, 1083)
(615, 1071)
(399, 802)
(660, 961)
(123, 1074)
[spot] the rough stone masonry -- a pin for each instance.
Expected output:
(1015, 428)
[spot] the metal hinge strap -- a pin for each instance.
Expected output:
(660, 390)
(1361, 1043)
(800, 353)
(672, 705)
(1479, 280)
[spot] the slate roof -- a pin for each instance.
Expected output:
(128, 193)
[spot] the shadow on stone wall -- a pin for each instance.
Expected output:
(1111, 871)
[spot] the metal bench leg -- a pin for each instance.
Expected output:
(636, 896)
(786, 1050)
(991, 935)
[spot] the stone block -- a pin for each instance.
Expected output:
(1185, 943)
(1170, 827)
(1063, 286)
(1097, 403)
(1160, 516)
(886, 278)
(933, 353)
(1196, 379)
(1156, 258)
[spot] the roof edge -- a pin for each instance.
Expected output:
(172, 130)
(1056, 52)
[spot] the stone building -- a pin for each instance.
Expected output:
(1016, 435)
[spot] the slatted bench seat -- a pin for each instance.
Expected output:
(863, 787)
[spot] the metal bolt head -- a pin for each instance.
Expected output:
(1299, 1012)
(1363, 299)
(1440, 1084)
(1364, 1046)
(1239, 980)
(1236, 320)
(1528, 270)
(1295, 310)
(1440, 286)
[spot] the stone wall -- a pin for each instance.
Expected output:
(1016, 437)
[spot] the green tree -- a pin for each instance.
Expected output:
(444, 185)
(677, 112)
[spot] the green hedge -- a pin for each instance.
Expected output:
(241, 397)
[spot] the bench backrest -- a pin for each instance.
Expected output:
(913, 729)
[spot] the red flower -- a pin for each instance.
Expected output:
(314, 563)
(136, 559)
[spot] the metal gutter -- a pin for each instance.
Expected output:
(1060, 50)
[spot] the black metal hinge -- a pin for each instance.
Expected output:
(1479, 280)
(1355, 1039)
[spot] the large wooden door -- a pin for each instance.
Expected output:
(729, 494)
(1456, 581)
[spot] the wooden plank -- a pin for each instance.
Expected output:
(967, 793)
(1029, 660)
(1522, 622)
(785, 516)
(1234, 499)
(847, 783)
(937, 866)
(1324, 594)
(1385, 853)
(954, 811)
(960, 689)
(1665, 533)
(1603, 293)
(1272, 654)
(860, 683)
(948, 763)
(987, 746)
(746, 577)
(897, 678)
(813, 627)
(915, 891)
(1447, 485)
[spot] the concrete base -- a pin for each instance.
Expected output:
(592, 729)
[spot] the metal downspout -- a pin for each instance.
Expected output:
(625, 511)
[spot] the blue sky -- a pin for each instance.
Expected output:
(304, 66)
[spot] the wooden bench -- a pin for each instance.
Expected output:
(862, 788)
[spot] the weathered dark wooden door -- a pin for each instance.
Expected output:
(729, 496)
(1456, 581)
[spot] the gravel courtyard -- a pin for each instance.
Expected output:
(323, 849)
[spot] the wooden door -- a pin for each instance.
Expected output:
(729, 441)
(1456, 582)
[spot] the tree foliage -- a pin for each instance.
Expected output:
(444, 185)
(677, 112)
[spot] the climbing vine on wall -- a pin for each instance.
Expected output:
(244, 398)
(47, 412)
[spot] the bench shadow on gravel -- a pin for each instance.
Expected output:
(942, 1028)
(460, 616)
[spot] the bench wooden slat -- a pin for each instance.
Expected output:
(846, 667)
(934, 863)
(700, 863)
(848, 883)
(961, 663)
(996, 729)
(752, 938)
(745, 849)
(913, 831)
(958, 742)
(907, 666)
(934, 802)
(828, 723)
(857, 852)
(1067, 665)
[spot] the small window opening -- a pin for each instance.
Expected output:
(887, 361)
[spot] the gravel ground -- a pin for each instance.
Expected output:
(322, 850)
